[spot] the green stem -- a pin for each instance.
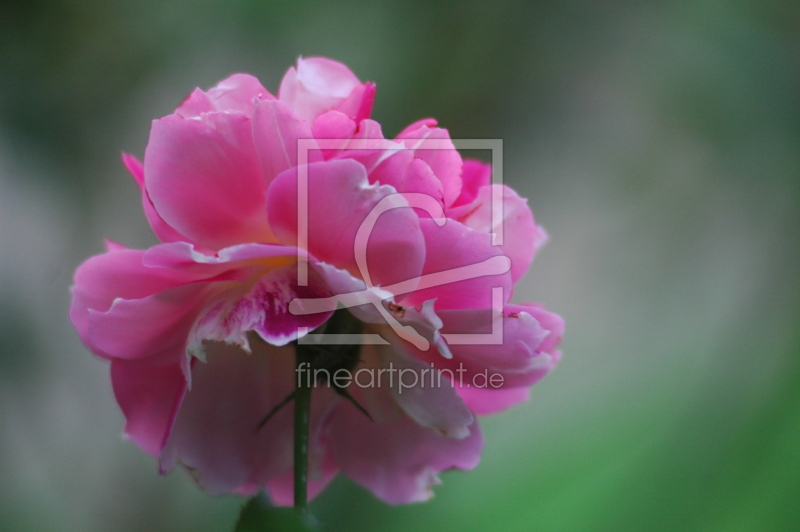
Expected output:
(302, 409)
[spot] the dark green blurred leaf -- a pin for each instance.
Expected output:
(258, 516)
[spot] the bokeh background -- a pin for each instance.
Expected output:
(658, 142)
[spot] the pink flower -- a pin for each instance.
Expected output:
(198, 329)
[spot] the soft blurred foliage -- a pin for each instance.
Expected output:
(659, 144)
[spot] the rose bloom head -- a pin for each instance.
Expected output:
(261, 243)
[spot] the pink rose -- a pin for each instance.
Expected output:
(199, 329)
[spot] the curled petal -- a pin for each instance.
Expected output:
(433, 145)
(340, 199)
(235, 93)
(138, 328)
(551, 322)
(347, 291)
(316, 86)
(427, 323)
(376, 306)
(365, 103)
(474, 175)
(196, 104)
(369, 135)
(461, 268)
(205, 181)
(401, 169)
(408, 173)
(135, 168)
(231, 263)
(517, 358)
(522, 335)
(264, 308)
(358, 105)
(521, 236)
(390, 163)
(118, 274)
(414, 126)
(333, 130)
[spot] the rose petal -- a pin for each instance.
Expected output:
(235, 93)
(276, 130)
(162, 230)
(391, 163)
(474, 175)
(522, 335)
(521, 236)
(117, 274)
(517, 360)
(316, 86)
(367, 100)
(339, 201)
(204, 179)
(433, 145)
(149, 392)
(198, 264)
(414, 126)
(487, 401)
(553, 323)
(138, 328)
(407, 173)
(263, 309)
(333, 130)
(195, 105)
(216, 434)
(424, 395)
(358, 105)
(398, 460)
(451, 248)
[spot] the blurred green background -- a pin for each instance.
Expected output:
(658, 143)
